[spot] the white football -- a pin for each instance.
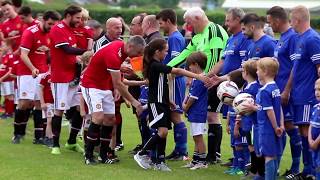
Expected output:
(240, 102)
(227, 91)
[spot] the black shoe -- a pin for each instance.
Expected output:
(74, 82)
(38, 141)
(298, 176)
(113, 157)
(90, 161)
(119, 147)
(48, 142)
(174, 156)
(135, 150)
(16, 139)
(107, 161)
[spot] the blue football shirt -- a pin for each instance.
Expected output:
(305, 58)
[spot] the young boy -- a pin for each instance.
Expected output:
(314, 131)
(269, 115)
(244, 123)
(195, 107)
(238, 160)
(46, 100)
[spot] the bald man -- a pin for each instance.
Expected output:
(150, 28)
(306, 62)
(113, 32)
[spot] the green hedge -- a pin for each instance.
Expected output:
(128, 14)
(102, 15)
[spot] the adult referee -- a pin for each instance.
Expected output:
(211, 39)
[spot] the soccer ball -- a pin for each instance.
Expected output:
(241, 101)
(227, 91)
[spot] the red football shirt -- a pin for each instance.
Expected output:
(108, 58)
(83, 34)
(34, 22)
(12, 29)
(63, 65)
(32, 40)
(7, 64)
(47, 92)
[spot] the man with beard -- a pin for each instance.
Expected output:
(263, 45)
(63, 51)
(167, 19)
(34, 55)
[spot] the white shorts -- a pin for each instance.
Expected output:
(49, 112)
(28, 87)
(198, 128)
(7, 88)
(98, 100)
(65, 96)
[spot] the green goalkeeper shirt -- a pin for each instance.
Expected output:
(211, 41)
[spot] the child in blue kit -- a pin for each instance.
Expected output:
(246, 122)
(195, 107)
(243, 125)
(238, 162)
(314, 131)
(269, 115)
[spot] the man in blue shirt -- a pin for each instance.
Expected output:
(167, 19)
(306, 62)
(278, 18)
(263, 45)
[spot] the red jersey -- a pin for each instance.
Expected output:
(45, 82)
(33, 39)
(34, 22)
(12, 29)
(7, 64)
(108, 58)
(63, 65)
(83, 34)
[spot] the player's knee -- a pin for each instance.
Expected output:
(98, 117)
(163, 132)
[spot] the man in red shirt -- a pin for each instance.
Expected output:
(25, 14)
(34, 55)
(12, 28)
(63, 52)
(100, 79)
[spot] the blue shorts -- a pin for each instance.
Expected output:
(288, 112)
(244, 139)
(179, 93)
(302, 114)
(316, 158)
(224, 111)
(270, 145)
(256, 142)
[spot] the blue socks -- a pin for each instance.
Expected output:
(271, 170)
(296, 148)
(180, 138)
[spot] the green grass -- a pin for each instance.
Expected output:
(28, 161)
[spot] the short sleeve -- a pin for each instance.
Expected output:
(58, 37)
(113, 62)
(266, 100)
(26, 40)
(197, 89)
(313, 47)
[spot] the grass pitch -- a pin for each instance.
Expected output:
(28, 161)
